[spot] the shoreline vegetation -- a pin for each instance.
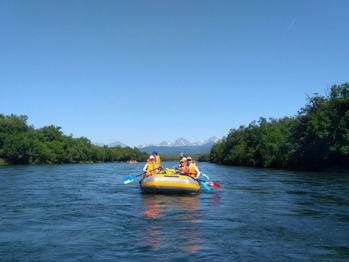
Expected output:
(23, 144)
(317, 138)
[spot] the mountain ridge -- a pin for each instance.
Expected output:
(181, 145)
(180, 142)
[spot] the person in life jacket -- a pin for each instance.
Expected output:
(182, 165)
(183, 159)
(157, 160)
(191, 169)
(150, 167)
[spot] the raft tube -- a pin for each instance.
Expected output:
(169, 182)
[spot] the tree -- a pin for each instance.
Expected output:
(317, 137)
(22, 144)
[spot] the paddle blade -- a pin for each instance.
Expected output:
(204, 186)
(214, 184)
(128, 179)
(205, 176)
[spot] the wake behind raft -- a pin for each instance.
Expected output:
(169, 182)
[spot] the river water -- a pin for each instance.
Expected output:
(85, 213)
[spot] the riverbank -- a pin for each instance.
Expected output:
(316, 138)
(21, 143)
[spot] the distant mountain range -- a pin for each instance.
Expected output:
(180, 145)
(181, 142)
(176, 147)
(117, 143)
(113, 144)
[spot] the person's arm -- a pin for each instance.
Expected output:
(145, 168)
(197, 172)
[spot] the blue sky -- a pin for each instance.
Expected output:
(147, 71)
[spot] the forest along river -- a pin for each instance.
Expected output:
(85, 213)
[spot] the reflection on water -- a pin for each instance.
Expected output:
(172, 217)
(155, 205)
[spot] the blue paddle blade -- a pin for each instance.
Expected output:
(205, 186)
(128, 179)
(205, 176)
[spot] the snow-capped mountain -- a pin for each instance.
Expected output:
(112, 144)
(181, 145)
(211, 140)
(182, 142)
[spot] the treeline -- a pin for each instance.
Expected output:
(316, 138)
(23, 144)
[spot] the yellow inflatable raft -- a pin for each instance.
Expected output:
(168, 181)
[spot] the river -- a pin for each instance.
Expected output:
(83, 212)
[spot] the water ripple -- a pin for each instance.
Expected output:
(85, 213)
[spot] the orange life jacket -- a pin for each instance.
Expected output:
(191, 170)
(182, 167)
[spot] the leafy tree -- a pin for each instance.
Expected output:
(22, 144)
(317, 137)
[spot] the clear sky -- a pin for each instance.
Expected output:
(147, 71)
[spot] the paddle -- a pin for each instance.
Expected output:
(204, 185)
(209, 182)
(207, 185)
(213, 184)
(205, 176)
(129, 179)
